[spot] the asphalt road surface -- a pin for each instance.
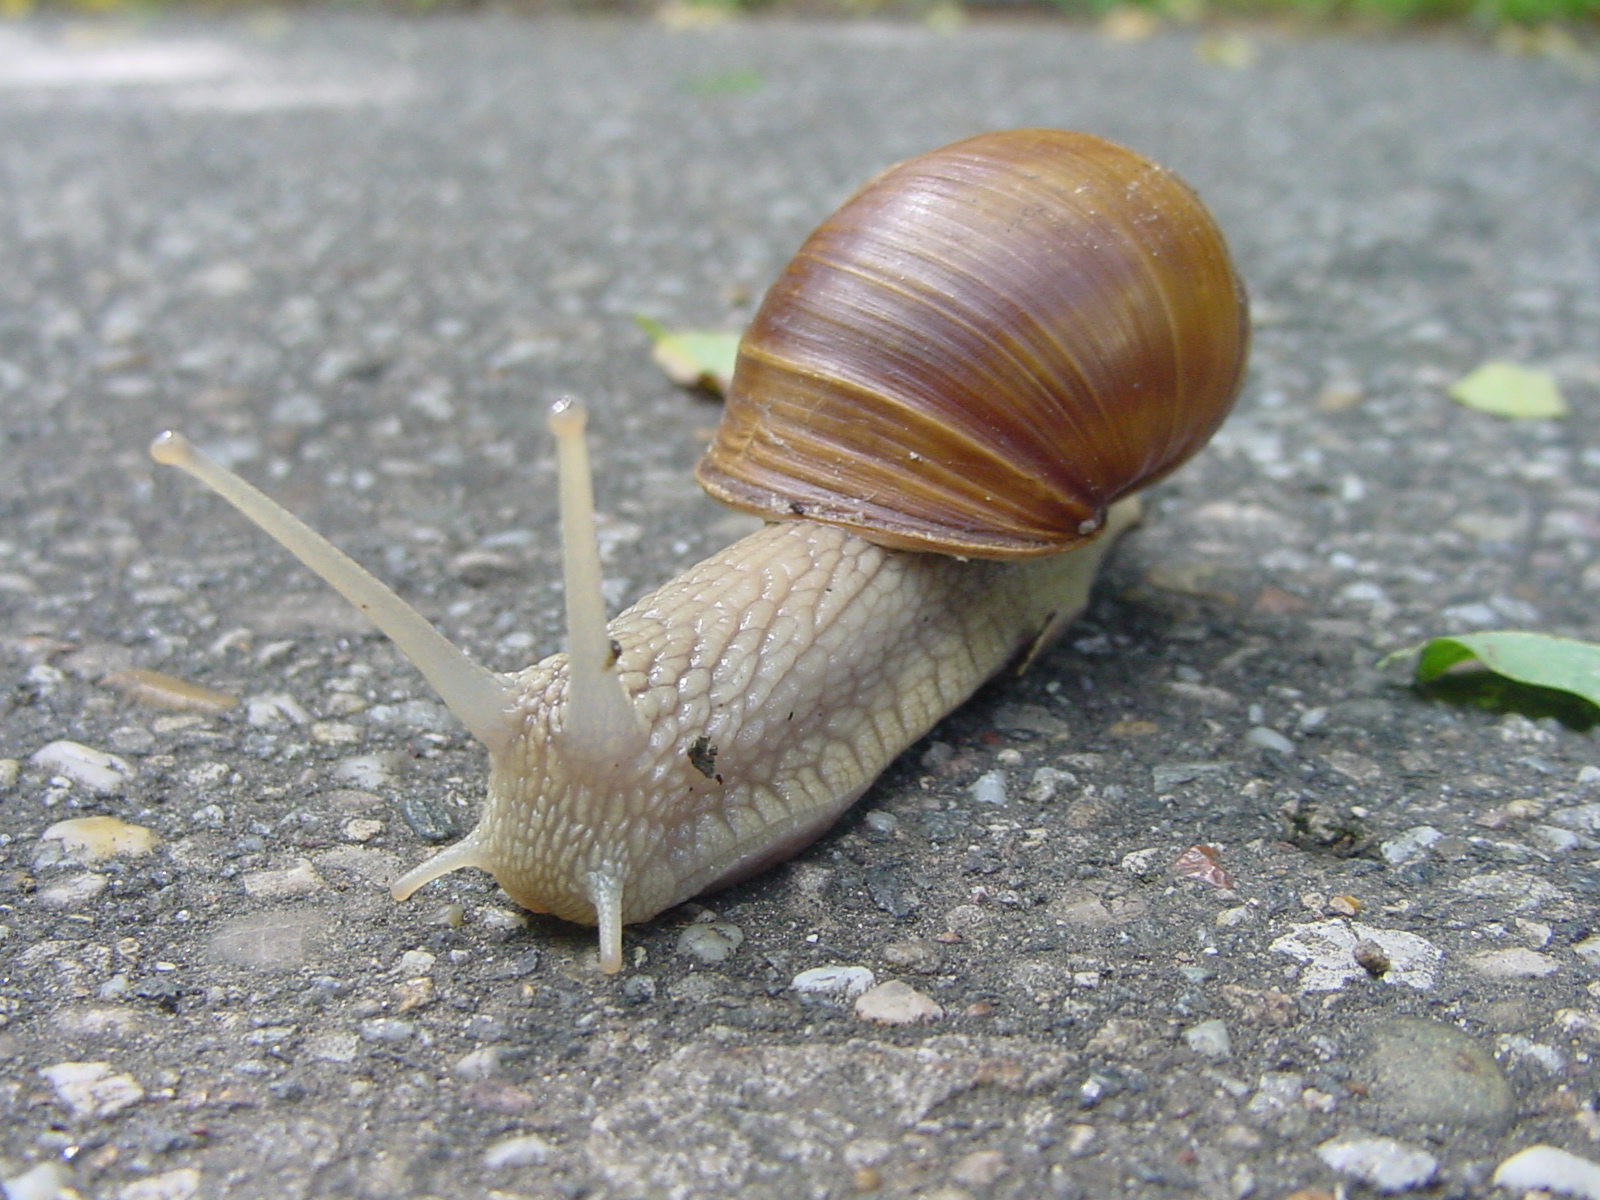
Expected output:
(358, 257)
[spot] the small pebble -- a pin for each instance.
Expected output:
(529, 1150)
(1549, 1169)
(414, 716)
(361, 829)
(1269, 739)
(373, 771)
(73, 892)
(415, 962)
(979, 1169)
(92, 1089)
(334, 1047)
(9, 769)
(990, 788)
(94, 769)
(639, 989)
(388, 1030)
(93, 839)
(1209, 1039)
(1547, 1058)
(918, 954)
(335, 733)
(834, 984)
(1555, 840)
(1516, 963)
(209, 816)
(299, 880)
(1585, 818)
(501, 920)
(413, 994)
(1029, 720)
(896, 1003)
(181, 1184)
(478, 1064)
(427, 818)
(132, 739)
(275, 709)
(43, 1182)
(1047, 782)
(1384, 1163)
(710, 941)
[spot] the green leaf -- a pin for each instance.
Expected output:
(1565, 664)
(693, 357)
(1507, 390)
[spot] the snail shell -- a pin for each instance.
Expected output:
(984, 348)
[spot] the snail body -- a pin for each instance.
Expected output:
(723, 721)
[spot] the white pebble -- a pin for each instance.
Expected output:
(1554, 839)
(477, 1064)
(1139, 862)
(896, 1003)
(74, 891)
(275, 708)
(1269, 739)
(710, 941)
(529, 1150)
(1328, 950)
(990, 788)
(1384, 1163)
(1046, 782)
(1589, 774)
(833, 983)
(94, 769)
(1547, 1058)
(368, 771)
(387, 1029)
(1209, 1039)
(1548, 1169)
(169, 1185)
(92, 1089)
(299, 880)
(1410, 845)
(1585, 818)
(44, 1182)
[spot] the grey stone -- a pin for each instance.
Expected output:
(1428, 1071)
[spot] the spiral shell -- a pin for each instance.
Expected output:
(984, 347)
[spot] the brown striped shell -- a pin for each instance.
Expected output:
(984, 347)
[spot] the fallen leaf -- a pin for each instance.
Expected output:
(1507, 390)
(1540, 659)
(693, 357)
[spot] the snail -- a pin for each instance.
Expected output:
(944, 407)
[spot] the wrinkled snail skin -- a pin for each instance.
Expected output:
(947, 404)
(801, 661)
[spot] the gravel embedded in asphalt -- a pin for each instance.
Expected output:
(356, 258)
